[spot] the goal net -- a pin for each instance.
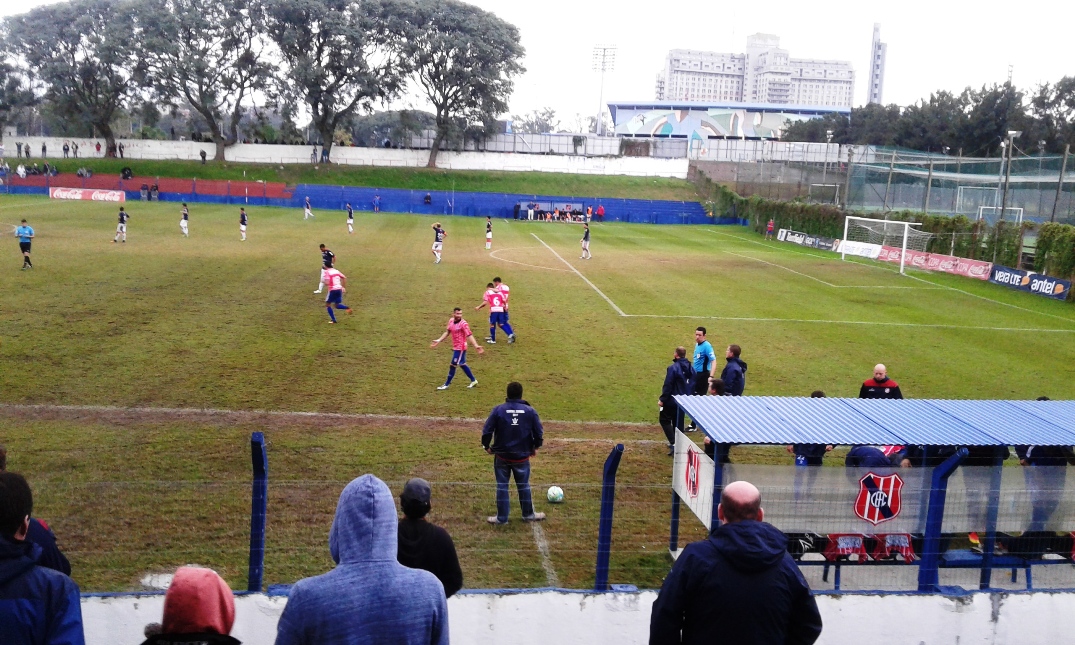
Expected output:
(992, 213)
(867, 236)
(823, 193)
(970, 198)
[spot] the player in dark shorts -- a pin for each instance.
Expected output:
(25, 235)
(328, 261)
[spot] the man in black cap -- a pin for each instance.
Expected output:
(423, 545)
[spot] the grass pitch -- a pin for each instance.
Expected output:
(212, 322)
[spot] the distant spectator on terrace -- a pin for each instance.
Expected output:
(37, 604)
(369, 597)
(40, 534)
(44, 150)
(18, 150)
(199, 608)
(98, 148)
(880, 386)
(66, 149)
(424, 545)
(600, 213)
(428, 199)
(120, 148)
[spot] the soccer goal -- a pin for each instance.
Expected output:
(970, 198)
(823, 193)
(872, 234)
(990, 213)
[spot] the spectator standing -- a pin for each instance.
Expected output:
(738, 586)
(202, 154)
(769, 229)
(18, 150)
(530, 212)
(880, 386)
(515, 210)
(199, 609)
(376, 203)
(74, 149)
(735, 372)
(37, 604)
(44, 150)
(98, 147)
(66, 149)
(600, 213)
(677, 380)
(424, 545)
(120, 148)
(513, 434)
(369, 597)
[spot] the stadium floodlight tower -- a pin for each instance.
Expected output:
(883, 232)
(604, 60)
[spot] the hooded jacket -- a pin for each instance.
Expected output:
(677, 380)
(38, 606)
(198, 608)
(739, 587)
(369, 597)
(734, 376)
(513, 430)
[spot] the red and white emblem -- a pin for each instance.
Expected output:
(694, 463)
(879, 498)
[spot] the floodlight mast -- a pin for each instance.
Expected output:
(604, 60)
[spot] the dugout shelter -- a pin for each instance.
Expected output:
(892, 514)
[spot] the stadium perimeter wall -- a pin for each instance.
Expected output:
(264, 153)
(545, 617)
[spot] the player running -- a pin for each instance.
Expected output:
(497, 318)
(460, 331)
(585, 242)
(350, 219)
(438, 241)
(307, 211)
(25, 235)
(184, 220)
(488, 233)
(242, 224)
(337, 286)
(769, 230)
(328, 260)
(121, 228)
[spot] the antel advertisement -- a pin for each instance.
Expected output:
(88, 194)
(937, 262)
(1042, 285)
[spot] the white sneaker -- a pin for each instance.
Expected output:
(472, 383)
(442, 387)
(511, 339)
(490, 341)
(318, 291)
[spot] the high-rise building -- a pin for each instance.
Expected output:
(765, 73)
(877, 66)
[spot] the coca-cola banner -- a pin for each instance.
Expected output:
(937, 262)
(88, 193)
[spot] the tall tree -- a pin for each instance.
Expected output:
(208, 53)
(992, 111)
(464, 61)
(15, 93)
(536, 122)
(82, 53)
(336, 57)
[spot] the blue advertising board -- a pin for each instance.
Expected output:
(1042, 285)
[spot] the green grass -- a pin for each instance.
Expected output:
(212, 322)
(533, 183)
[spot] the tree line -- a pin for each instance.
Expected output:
(89, 61)
(973, 121)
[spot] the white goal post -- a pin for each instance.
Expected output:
(1011, 213)
(970, 198)
(820, 193)
(874, 233)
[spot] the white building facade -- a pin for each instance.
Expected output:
(765, 73)
(878, 52)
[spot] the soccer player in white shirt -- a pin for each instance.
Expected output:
(307, 211)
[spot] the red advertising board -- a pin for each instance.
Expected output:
(937, 262)
(89, 194)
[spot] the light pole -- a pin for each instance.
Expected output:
(604, 60)
(1012, 134)
(825, 166)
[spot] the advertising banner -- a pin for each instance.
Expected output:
(937, 262)
(88, 194)
(692, 478)
(861, 249)
(1032, 282)
(805, 239)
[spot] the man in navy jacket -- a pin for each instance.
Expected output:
(739, 586)
(677, 380)
(513, 434)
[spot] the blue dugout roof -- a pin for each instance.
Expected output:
(929, 422)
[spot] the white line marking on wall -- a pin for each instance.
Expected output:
(579, 274)
(543, 548)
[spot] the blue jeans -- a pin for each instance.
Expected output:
(503, 471)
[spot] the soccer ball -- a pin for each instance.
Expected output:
(555, 494)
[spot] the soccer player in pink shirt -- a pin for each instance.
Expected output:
(497, 302)
(337, 286)
(460, 331)
(506, 290)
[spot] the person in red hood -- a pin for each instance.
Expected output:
(198, 608)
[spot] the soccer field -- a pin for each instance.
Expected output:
(212, 322)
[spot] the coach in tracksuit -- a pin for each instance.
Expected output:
(513, 434)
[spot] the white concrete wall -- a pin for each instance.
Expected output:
(261, 153)
(558, 618)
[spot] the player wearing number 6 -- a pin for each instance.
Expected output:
(460, 331)
(497, 316)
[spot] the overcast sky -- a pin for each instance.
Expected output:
(936, 44)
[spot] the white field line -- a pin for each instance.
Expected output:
(773, 264)
(829, 284)
(857, 322)
(543, 548)
(579, 274)
(493, 254)
(974, 295)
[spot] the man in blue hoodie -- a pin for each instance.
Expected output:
(735, 372)
(739, 586)
(677, 380)
(38, 606)
(369, 597)
(513, 434)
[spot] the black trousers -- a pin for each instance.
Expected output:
(667, 419)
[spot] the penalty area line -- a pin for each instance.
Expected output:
(856, 322)
(579, 274)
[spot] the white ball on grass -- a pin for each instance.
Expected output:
(555, 494)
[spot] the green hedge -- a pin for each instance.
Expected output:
(1056, 250)
(957, 235)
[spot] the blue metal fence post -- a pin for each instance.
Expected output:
(673, 531)
(928, 574)
(604, 527)
(258, 509)
(990, 541)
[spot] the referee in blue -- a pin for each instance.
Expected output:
(25, 235)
